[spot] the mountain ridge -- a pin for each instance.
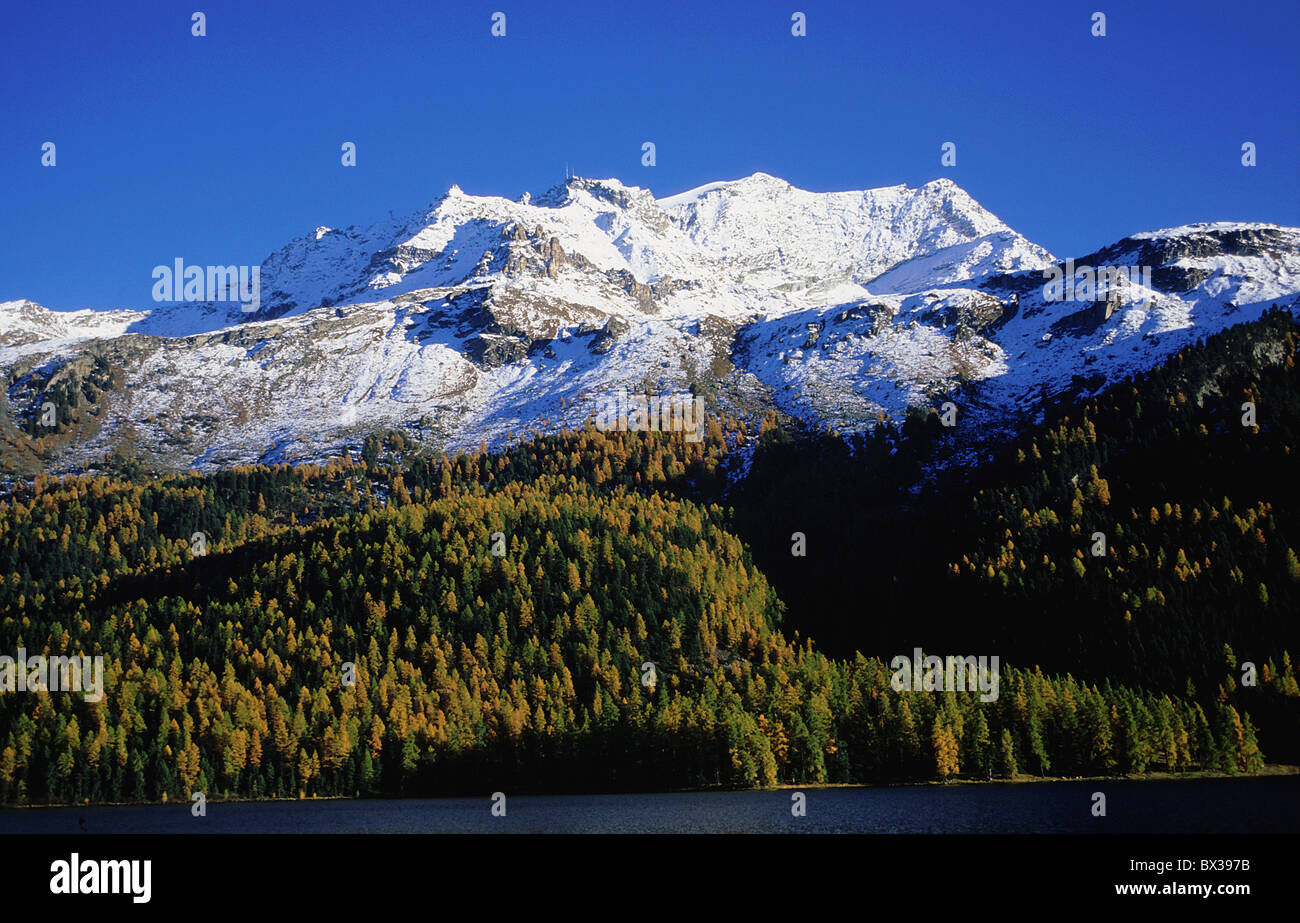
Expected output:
(477, 318)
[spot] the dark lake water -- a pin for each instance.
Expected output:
(1266, 805)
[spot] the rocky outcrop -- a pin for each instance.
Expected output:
(493, 350)
(604, 340)
(877, 316)
(969, 315)
(1089, 319)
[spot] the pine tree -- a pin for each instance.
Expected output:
(944, 744)
(979, 747)
(1007, 768)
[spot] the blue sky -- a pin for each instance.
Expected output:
(221, 149)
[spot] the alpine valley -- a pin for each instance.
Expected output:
(483, 320)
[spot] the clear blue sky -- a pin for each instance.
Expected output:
(221, 149)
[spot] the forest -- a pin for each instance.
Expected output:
(597, 611)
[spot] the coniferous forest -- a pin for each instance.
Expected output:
(614, 611)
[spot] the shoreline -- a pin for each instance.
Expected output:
(1272, 770)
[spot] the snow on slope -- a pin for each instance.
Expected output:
(756, 243)
(770, 229)
(882, 354)
(28, 324)
(479, 318)
(1205, 277)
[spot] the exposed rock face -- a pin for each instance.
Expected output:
(1180, 262)
(553, 254)
(876, 316)
(969, 314)
(493, 350)
(1087, 320)
(1178, 278)
(400, 259)
(604, 340)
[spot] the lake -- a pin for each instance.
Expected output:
(1256, 805)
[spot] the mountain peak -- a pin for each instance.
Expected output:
(755, 181)
(762, 179)
(565, 191)
(721, 237)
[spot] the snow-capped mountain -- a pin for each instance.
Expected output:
(479, 318)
